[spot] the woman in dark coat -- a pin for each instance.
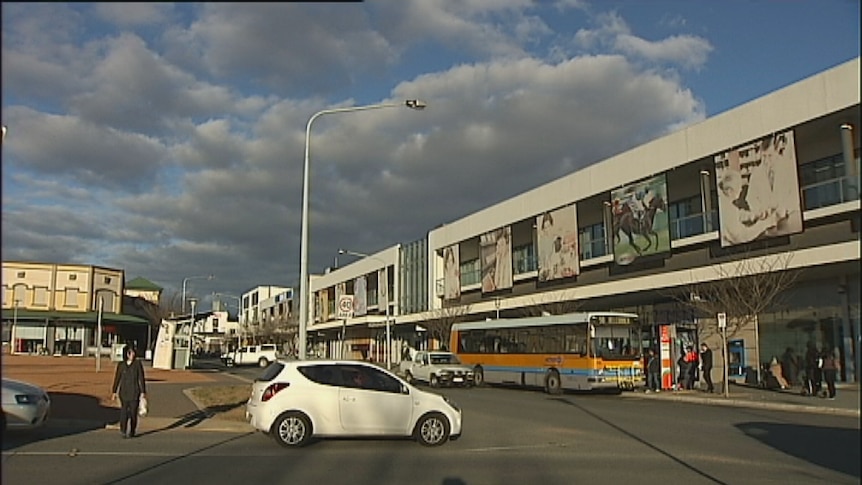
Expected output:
(130, 386)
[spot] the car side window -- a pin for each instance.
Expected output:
(369, 379)
(321, 374)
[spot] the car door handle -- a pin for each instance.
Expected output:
(348, 399)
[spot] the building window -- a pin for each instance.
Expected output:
(471, 272)
(524, 258)
(592, 239)
(254, 298)
(40, 296)
(73, 277)
(107, 280)
(823, 183)
(215, 325)
(686, 218)
(71, 297)
(22, 274)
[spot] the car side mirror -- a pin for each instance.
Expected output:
(405, 390)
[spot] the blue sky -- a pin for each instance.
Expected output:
(168, 139)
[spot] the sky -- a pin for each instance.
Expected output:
(168, 140)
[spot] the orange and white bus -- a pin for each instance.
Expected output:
(576, 351)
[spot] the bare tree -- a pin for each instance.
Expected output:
(440, 325)
(743, 290)
(545, 304)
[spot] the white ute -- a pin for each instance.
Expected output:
(260, 355)
(437, 368)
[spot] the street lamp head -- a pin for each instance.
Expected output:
(416, 104)
(341, 251)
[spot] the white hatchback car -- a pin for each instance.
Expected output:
(25, 406)
(297, 400)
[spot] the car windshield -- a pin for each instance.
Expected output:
(444, 359)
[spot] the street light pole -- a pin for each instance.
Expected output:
(191, 335)
(386, 289)
(185, 281)
(304, 294)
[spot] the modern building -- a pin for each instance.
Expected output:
(768, 188)
(265, 309)
(55, 309)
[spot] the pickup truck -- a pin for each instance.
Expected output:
(260, 355)
(437, 368)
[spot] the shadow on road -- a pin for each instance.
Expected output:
(78, 413)
(833, 448)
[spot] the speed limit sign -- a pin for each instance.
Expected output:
(345, 306)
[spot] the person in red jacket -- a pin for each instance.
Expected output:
(690, 360)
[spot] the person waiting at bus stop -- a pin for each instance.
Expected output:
(653, 372)
(690, 368)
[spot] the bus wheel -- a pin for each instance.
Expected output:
(478, 376)
(552, 382)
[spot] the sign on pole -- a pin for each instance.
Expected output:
(722, 320)
(345, 306)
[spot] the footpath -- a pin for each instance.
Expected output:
(81, 395)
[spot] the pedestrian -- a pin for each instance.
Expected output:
(653, 372)
(777, 373)
(690, 359)
(706, 366)
(812, 370)
(829, 368)
(790, 367)
(130, 386)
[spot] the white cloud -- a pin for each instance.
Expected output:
(129, 14)
(613, 33)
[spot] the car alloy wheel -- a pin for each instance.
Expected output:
(432, 429)
(292, 429)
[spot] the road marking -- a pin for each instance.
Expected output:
(511, 448)
(74, 453)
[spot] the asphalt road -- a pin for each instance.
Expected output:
(511, 436)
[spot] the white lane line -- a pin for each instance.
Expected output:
(73, 453)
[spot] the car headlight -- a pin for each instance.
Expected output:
(452, 404)
(27, 398)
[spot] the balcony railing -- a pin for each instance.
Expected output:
(830, 192)
(691, 225)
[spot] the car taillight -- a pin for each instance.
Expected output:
(272, 390)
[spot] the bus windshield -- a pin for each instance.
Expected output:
(613, 342)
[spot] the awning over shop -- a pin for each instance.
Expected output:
(40, 316)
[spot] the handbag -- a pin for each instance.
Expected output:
(142, 406)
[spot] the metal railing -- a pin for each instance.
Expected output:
(830, 192)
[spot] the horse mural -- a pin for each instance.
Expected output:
(626, 221)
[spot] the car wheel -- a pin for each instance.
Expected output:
(292, 429)
(409, 377)
(552, 382)
(478, 376)
(262, 362)
(432, 430)
(434, 381)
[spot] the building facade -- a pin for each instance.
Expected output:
(266, 311)
(55, 309)
(770, 187)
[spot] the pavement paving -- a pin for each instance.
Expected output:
(81, 395)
